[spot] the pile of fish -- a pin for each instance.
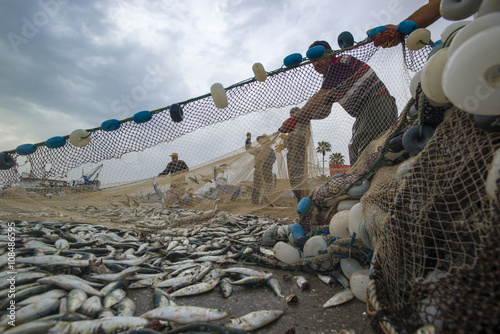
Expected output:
(75, 278)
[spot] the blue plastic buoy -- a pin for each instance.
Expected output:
(297, 230)
(315, 52)
(26, 149)
(110, 125)
(436, 43)
(375, 31)
(396, 144)
(304, 205)
(142, 116)
(292, 60)
(407, 27)
(55, 142)
(176, 113)
(6, 161)
(345, 40)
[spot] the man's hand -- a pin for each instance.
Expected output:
(288, 125)
(388, 38)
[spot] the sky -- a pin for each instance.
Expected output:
(68, 64)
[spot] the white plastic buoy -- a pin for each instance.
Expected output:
(259, 72)
(359, 283)
(349, 266)
(219, 95)
(339, 225)
(493, 176)
(347, 204)
(355, 217)
(414, 83)
(471, 78)
(418, 39)
(432, 73)
(473, 28)
(450, 31)
(458, 9)
(488, 6)
(314, 246)
(79, 138)
(286, 253)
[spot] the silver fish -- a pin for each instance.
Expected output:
(255, 320)
(275, 285)
(185, 314)
(339, 298)
(125, 308)
(118, 276)
(33, 311)
(302, 282)
(226, 287)
(91, 307)
(69, 284)
(113, 298)
(76, 298)
(103, 325)
(55, 293)
(196, 289)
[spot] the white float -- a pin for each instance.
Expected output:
(355, 217)
(458, 9)
(493, 176)
(359, 283)
(414, 83)
(452, 29)
(286, 253)
(418, 39)
(347, 204)
(471, 78)
(488, 6)
(349, 266)
(79, 138)
(432, 72)
(473, 28)
(219, 95)
(339, 225)
(314, 246)
(259, 72)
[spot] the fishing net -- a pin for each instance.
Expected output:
(434, 231)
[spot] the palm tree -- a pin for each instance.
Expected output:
(323, 147)
(336, 159)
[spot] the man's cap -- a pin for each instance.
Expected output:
(174, 155)
(324, 44)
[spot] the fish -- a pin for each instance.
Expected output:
(76, 298)
(55, 293)
(226, 287)
(33, 311)
(125, 307)
(186, 314)
(101, 326)
(328, 280)
(113, 298)
(339, 298)
(275, 285)
(302, 282)
(48, 260)
(69, 284)
(91, 307)
(118, 276)
(205, 327)
(32, 327)
(255, 320)
(196, 288)
(252, 280)
(158, 191)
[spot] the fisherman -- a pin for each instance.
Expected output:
(358, 89)
(265, 157)
(174, 168)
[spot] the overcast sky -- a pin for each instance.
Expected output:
(73, 64)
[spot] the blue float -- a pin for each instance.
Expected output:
(55, 142)
(176, 113)
(304, 205)
(292, 60)
(142, 116)
(375, 31)
(26, 149)
(110, 125)
(407, 27)
(6, 161)
(488, 123)
(345, 40)
(297, 230)
(315, 52)
(396, 144)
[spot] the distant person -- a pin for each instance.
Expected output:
(175, 167)
(423, 17)
(264, 160)
(296, 157)
(358, 89)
